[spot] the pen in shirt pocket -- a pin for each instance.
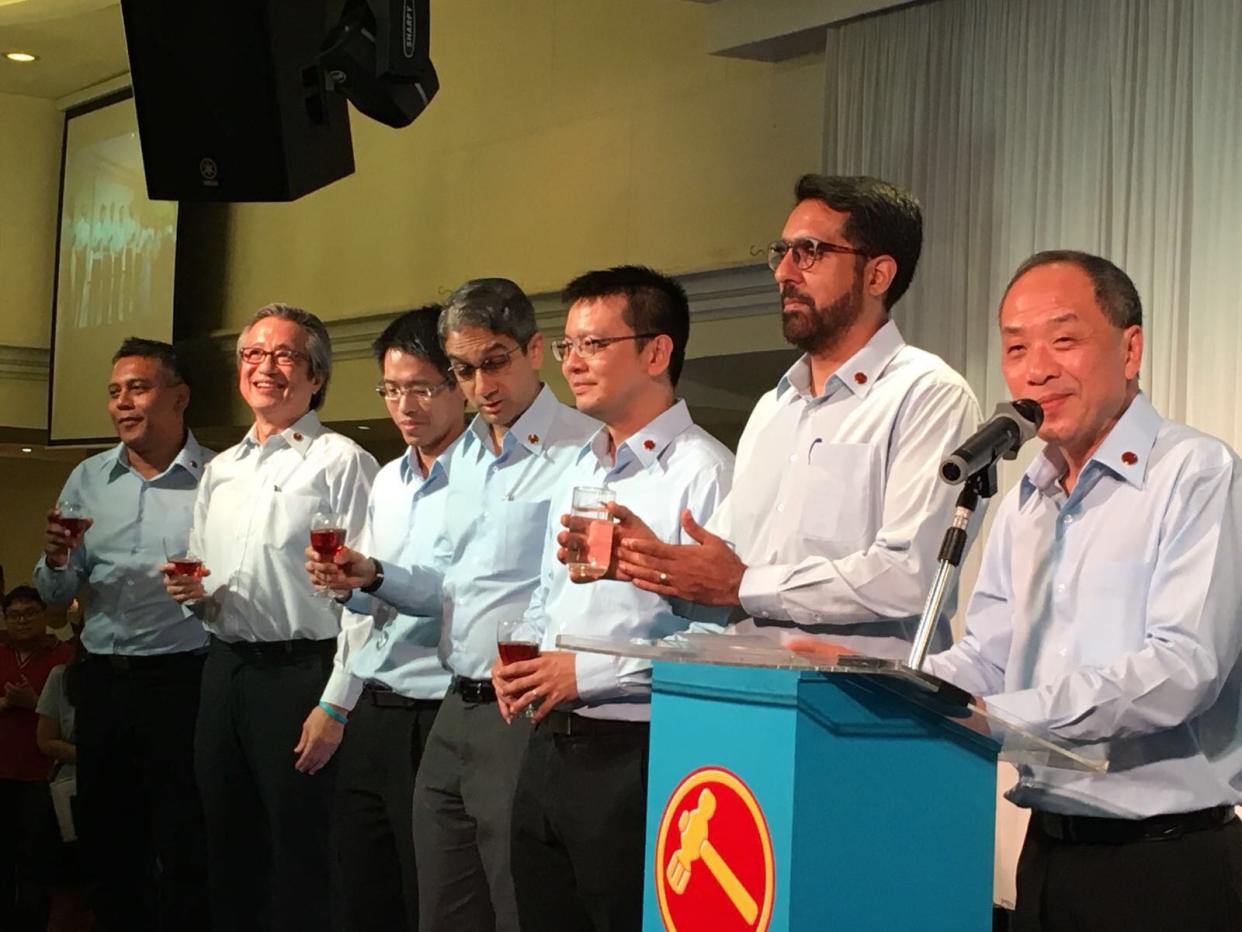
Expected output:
(811, 448)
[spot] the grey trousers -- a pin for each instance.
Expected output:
(463, 803)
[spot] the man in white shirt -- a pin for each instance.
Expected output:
(837, 511)
(265, 732)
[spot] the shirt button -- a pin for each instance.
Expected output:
(780, 507)
(1068, 519)
(1060, 587)
(793, 458)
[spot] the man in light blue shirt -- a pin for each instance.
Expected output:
(389, 670)
(1108, 610)
(836, 513)
(486, 565)
(578, 862)
(137, 800)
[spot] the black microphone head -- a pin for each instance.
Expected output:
(1030, 410)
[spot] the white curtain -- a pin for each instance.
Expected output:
(1112, 126)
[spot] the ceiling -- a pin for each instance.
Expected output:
(80, 43)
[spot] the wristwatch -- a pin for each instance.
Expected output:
(378, 581)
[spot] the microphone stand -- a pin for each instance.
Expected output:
(981, 484)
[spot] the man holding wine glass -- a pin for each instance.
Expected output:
(578, 860)
(266, 734)
(139, 817)
(389, 669)
(484, 567)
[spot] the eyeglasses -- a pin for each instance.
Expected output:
(29, 614)
(390, 391)
(806, 252)
(498, 362)
(285, 358)
(589, 346)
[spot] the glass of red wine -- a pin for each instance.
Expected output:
(327, 537)
(72, 517)
(185, 563)
(513, 645)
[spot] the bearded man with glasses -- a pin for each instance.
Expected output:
(837, 511)
(267, 729)
(484, 569)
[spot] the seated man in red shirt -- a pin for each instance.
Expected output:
(27, 824)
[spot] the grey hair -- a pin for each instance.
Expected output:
(318, 343)
(495, 304)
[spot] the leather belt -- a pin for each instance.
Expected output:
(567, 723)
(277, 650)
(133, 663)
(473, 690)
(1093, 830)
(382, 697)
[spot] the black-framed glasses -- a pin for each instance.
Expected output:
(589, 346)
(391, 391)
(285, 358)
(806, 252)
(497, 362)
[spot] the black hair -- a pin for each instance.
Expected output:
(414, 332)
(1114, 290)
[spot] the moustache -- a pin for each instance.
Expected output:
(788, 290)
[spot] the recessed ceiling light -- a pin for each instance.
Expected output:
(363, 427)
(21, 56)
(27, 450)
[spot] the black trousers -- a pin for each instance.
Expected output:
(374, 811)
(463, 799)
(29, 843)
(1190, 883)
(137, 812)
(579, 831)
(268, 826)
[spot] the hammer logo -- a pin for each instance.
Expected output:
(695, 846)
(713, 860)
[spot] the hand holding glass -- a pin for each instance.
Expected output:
(327, 537)
(512, 648)
(185, 563)
(73, 518)
(589, 507)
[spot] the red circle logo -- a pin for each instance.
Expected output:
(713, 861)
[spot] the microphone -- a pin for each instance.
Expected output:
(1013, 424)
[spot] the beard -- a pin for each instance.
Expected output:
(819, 330)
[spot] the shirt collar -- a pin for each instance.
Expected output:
(530, 430)
(410, 472)
(298, 436)
(191, 457)
(858, 373)
(1124, 452)
(646, 444)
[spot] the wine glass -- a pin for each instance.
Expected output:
(327, 537)
(177, 552)
(72, 516)
(513, 645)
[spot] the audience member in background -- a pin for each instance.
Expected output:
(56, 737)
(266, 733)
(139, 817)
(836, 513)
(28, 838)
(579, 824)
(484, 569)
(391, 673)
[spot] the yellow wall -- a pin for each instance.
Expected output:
(30, 487)
(568, 134)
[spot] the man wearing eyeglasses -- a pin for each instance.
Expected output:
(578, 813)
(485, 568)
(837, 511)
(138, 815)
(390, 670)
(266, 731)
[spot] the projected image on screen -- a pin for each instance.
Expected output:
(115, 268)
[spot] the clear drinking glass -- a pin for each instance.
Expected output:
(512, 647)
(589, 505)
(327, 537)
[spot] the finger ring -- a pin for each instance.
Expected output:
(664, 577)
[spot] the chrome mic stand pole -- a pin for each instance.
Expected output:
(980, 485)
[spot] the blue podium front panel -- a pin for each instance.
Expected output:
(792, 800)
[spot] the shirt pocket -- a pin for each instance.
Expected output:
(289, 519)
(839, 490)
(1112, 611)
(523, 534)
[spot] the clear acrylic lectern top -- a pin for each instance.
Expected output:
(1017, 743)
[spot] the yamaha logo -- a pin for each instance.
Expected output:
(407, 27)
(209, 170)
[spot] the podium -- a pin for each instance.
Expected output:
(789, 794)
